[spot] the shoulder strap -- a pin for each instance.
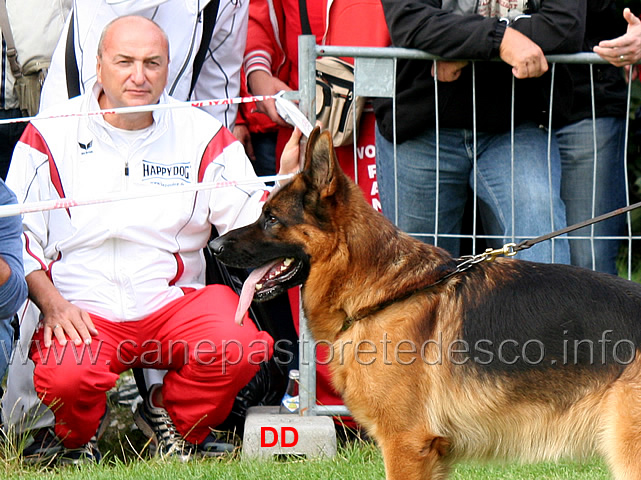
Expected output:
(71, 65)
(304, 17)
(210, 12)
(12, 53)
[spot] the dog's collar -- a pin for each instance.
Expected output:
(367, 311)
(464, 263)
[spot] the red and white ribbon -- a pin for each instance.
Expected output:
(148, 108)
(55, 204)
(287, 109)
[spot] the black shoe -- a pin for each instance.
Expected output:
(127, 394)
(42, 446)
(156, 424)
(213, 446)
(88, 453)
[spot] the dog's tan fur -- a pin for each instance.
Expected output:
(372, 291)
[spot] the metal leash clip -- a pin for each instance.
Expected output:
(509, 250)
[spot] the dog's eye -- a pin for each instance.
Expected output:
(270, 221)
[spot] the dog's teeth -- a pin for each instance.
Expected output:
(259, 286)
(288, 262)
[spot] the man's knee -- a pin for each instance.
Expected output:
(71, 379)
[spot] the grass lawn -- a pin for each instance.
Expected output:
(126, 458)
(360, 460)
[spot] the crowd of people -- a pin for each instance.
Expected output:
(124, 280)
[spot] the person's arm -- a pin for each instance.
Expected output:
(263, 83)
(626, 49)
(13, 289)
(30, 182)
(5, 272)
(263, 57)
(526, 58)
(559, 26)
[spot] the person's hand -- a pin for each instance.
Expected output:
(67, 319)
(626, 49)
(449, 71)
(260, 82)
(241, 132)
(289, 159)
(526, 57)
(59, 317)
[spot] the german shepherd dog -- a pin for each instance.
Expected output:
(508, 360)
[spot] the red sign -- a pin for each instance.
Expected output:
(274, 437)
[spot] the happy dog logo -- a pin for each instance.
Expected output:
(166, 175)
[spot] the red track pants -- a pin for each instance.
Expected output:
(208, 356)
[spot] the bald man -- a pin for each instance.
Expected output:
(122, 285)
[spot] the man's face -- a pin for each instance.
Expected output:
(134, 64)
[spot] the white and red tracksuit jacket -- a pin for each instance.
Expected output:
(125, 259)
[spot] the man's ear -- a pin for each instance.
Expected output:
(98, 69)
(321, 162)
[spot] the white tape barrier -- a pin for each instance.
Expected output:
(286, 108)
(21, 208)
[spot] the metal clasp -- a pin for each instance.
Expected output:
(509, 250)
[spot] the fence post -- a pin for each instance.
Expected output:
(307, 105)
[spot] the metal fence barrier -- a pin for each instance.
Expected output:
(375, 76)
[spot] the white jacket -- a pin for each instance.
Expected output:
(125, 259)
(181, 21)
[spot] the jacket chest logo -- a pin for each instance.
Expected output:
(166, 174)
(85, 148)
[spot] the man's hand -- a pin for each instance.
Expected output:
(60, 317)
(260, 82)
(525, 56)
(449, 71)
(626, 49)
(289, 159)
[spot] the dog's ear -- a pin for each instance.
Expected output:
(320, 162)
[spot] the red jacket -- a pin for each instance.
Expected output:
(272, 37)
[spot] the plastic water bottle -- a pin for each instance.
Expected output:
(290, 402)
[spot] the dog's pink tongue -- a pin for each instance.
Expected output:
(247, 293)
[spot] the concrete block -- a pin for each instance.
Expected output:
(269, 433)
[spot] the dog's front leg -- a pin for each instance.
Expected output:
(408, 456)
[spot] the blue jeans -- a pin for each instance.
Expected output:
(576, 144)
(538, 209)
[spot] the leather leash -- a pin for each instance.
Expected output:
(511, 249)
(468, 261)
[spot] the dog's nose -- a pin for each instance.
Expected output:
(217, 246)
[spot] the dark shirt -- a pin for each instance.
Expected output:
(558, 27)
